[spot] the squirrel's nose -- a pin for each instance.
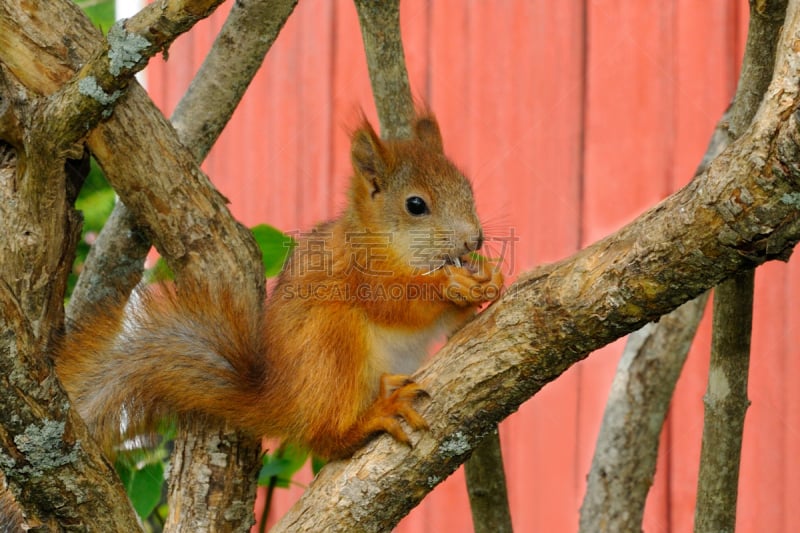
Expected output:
(474, 244)
(466, 236)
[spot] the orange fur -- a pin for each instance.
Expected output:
(326, 362)
(11, 517)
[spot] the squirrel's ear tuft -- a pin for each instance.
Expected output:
(369, 156)
(426, 130)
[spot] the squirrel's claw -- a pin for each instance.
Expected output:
(395, 400)
(466, 286)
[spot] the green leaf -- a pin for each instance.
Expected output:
(141, 470)
(96, 206)
(316, 464)
(160, 272)
(142, 475)
(296, 455)
(282, 465)
(101, 12)
(96, 201)
(271, 466)
(125, 471)
(275, 247)
(144, 488)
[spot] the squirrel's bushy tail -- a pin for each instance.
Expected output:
(163, 354)
(11, 518)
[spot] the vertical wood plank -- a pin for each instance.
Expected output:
(316, 184)
(763, 466)
(790, 446)
(629, 126)
(351, 94)
(628, 155)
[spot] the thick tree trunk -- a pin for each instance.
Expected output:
(187, 244)
(56, 473)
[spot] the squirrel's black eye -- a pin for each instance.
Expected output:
(416, 206)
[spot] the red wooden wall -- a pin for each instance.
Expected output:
(571, 118)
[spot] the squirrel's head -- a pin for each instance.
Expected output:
(411, 190)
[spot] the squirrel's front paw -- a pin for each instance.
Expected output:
(395, 400)
(475, 282)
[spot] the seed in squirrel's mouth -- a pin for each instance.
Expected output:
(449, 260)
(445, 261)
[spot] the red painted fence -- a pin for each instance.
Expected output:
(571, 118)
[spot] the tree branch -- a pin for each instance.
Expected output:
(726, 403)
(380, 30)
(726, 398)
(138, 151)
(113, 267)
(625, 457)
(744, 210)
(92, 93)
(116, 259)
(486, 485)
(227, 70)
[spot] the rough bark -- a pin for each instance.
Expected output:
(744, 210)
(39, 33)
(380, 30)
(766, 19)
(624, 461)
(486, 486)
(113, 267)
(56, 473)
(212, 476)
(725, 406)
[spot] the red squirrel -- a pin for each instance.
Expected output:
(326, 363)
